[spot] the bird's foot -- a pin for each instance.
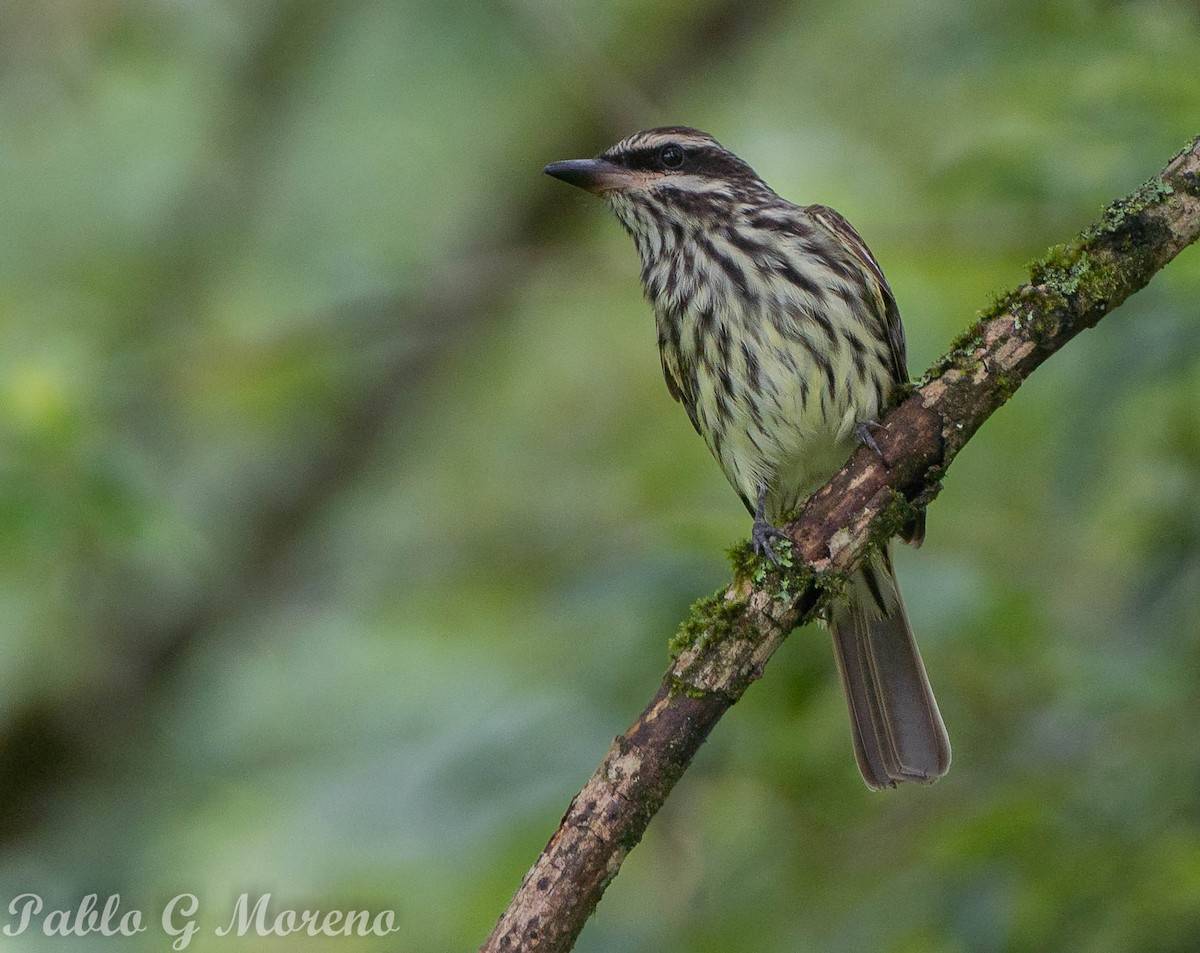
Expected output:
(863, 433)
(763, 537)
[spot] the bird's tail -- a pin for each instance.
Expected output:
(898, 731)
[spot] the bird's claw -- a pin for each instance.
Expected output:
(863, 434)
(762, 538)
(763, 535)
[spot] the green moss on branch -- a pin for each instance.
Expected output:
(709, 621)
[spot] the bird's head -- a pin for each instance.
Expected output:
(673, 175)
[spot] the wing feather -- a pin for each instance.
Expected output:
(837, 225)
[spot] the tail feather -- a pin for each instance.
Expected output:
(898, 730)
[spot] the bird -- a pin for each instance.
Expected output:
(782, 339)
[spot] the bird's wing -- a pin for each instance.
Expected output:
(836, 224)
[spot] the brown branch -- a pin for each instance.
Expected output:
(728, 640)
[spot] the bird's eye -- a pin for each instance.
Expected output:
(671, 157)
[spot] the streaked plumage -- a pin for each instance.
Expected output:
(780, 336)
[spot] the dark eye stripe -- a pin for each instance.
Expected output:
(642, 158)
(705, 160)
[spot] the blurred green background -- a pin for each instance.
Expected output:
(344, 515)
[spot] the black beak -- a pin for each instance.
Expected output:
(591, 175)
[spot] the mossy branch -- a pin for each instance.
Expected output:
(726, 642)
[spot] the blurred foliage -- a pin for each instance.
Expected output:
(344, 516)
